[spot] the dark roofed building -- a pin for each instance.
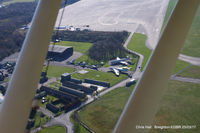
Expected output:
(59, 53)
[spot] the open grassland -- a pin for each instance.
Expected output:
(53, 129)
(191, 72)
(15, 1)
(102, 76)
(57, 71)
(191, 46)
(137, 44)
(102, 115)
(179, 106)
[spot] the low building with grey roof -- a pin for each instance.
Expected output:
(59, 53)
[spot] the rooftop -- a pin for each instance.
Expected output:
(66, 74)
(58, 48)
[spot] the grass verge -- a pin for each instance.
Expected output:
(53, 129)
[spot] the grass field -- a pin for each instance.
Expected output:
(179, 106)
(81, 47)
(180, 65)
(137, 44)
(102, 115)
(102, 76)
(191, 46)
(57, 71)
(53, 129)
(191, 72)
(15, 1)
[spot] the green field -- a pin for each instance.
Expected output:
(137, 44)
(15, 1)
(57, 71)
(191, 46)
(179, 106)
(191, 72)
(180, 65)
(53, 129)
(102, 115)
(102, 76)
(81, 47)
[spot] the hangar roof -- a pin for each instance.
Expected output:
(58, 48)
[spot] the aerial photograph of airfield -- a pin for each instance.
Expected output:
(98, 53)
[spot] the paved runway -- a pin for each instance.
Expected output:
(144, 16)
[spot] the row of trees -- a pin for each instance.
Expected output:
(12, 18)
(106, 45)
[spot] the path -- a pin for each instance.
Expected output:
(184, 79)
(190, 59)
(137, 72)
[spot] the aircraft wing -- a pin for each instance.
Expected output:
(124, 63)
(115, 71)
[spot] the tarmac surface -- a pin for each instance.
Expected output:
(146, 16)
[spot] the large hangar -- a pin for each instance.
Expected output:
(59, 53)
